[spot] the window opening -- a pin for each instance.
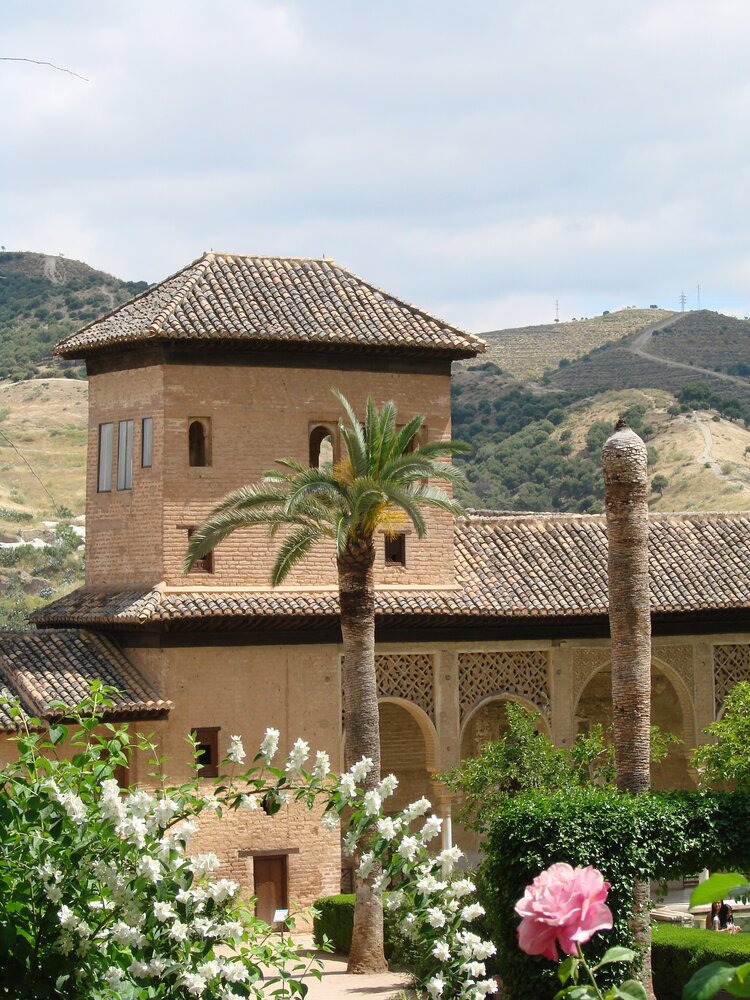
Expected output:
(104, 480)
(321, 447)
(204, 564)
(147, 442)
(125, 455)
(198, 443)
(207, 740)
(395, 549)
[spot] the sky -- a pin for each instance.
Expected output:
(484, 160)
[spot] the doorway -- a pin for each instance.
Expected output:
(270, 878)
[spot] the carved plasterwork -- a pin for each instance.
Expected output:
(731, 664)
(680, 659)
(587, 660)
(523, 673)
(408, 676)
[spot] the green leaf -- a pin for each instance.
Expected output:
(631, 990)
(707, 981)
(57, 734)
(740, 985)
(616, 955)
(716, 887)
(567, 969)
(577, 993)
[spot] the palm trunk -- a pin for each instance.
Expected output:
(357, 599)
(625, 464)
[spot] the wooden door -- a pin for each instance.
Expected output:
(270, 878)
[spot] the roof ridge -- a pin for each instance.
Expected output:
(418, 310)
(269, 256)
(59, 346)
(182, 292)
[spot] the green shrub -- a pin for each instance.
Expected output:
(678, 952)
(657, 836)
(8, 514)
(335, 920)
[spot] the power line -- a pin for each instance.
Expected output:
(28, 463)
(40, 62)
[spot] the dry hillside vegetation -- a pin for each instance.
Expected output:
(46, 420)
(703, 459)
(527, 351)
(707, 340)
(42, 300)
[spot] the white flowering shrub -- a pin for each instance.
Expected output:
(100, 897)
(432, 898)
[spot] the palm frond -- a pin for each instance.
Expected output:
(404, 500)
(444, 449)
(433, 496)
(295, 546)
(222, 522)
(248, 497)
(401, 441)
(353, 436)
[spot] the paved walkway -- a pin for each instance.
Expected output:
(337, 984)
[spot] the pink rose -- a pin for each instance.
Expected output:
(564, 905)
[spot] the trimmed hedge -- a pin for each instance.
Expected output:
(678, 952)
(335, 920)
(657, 836)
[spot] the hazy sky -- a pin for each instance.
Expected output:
(481, 159)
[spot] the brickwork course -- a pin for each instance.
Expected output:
(245, 350)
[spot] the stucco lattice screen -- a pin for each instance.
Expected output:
(408, 676)
(405, 675)
(731, 665)
(520, 673)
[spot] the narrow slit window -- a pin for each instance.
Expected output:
(206, 563)
(106, 436)
(395, 549)
(147, 442)
(125, 455)
(207, 740)
(199, 442)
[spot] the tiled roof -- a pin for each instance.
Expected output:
(57, 665)
(513, 566)
(239, 299)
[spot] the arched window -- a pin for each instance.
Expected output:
(198, 443)
(321, 446)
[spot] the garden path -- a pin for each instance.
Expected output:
(336, 984)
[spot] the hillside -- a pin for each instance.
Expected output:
(42, 300)
(526, 352)
(707, 340)
(700, 347)
(697, 460)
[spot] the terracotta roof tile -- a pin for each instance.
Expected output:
(267, 300)
(507, 566)
(42, 667)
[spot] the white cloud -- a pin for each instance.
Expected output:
(482, 156)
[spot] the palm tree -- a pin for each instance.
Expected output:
(625, 463)
(381, 483)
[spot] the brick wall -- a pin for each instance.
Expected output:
(124, 527)
(256, 415)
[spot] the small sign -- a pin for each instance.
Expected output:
(279, 916)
